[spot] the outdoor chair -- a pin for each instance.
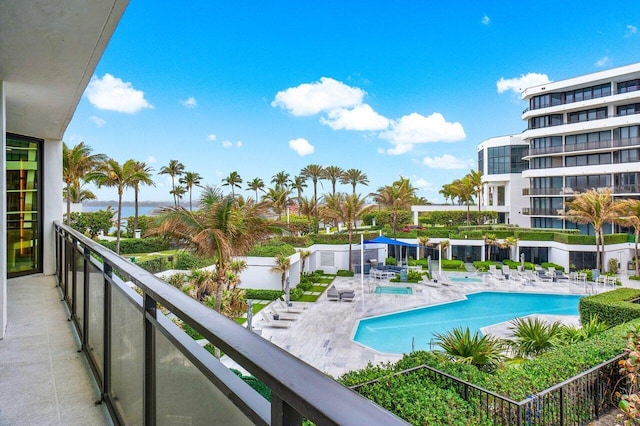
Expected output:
(280, 306)
(270, 322)
(495, 273)
(601, 280)
(333, 294)
(281, 315)
(441, 279)
(347, 295)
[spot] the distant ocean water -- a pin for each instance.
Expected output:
(127, 211)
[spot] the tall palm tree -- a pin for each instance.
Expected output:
(395, 197)
(354, 177)
(234, 181)
(278, 198)
(595, 207)
(304, 255)
(189, 180)
(221, 230)
(299, 183)
(447, 192)
(112, 174)
(475, 176)
(142, 176)
(282, 266)
(628, 213)
(307, 207)
(332, 174)
(256, 185)
(313, 172)
(77, 164)
(280, 180)
(175, 168)
(178, 192)
(464, 189)
(347, 209)
(78, 195)
(210, 194)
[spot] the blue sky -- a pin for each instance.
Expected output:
(404, 88)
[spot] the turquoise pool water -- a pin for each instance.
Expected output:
(464, 279)
(393, 333)
(392, 290)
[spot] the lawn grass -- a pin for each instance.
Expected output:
(143, 257)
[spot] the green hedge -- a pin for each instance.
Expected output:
(483, 265)
(303, 241)
(612, 307)
(547, 265)
(138, 245)
(344, 273)
(513, 381)
(535, 236)
(453, 265)
(272, 249)
(259, 294)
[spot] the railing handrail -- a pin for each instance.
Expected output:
(306, 389)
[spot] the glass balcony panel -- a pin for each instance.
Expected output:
(192, 398)
(79, 312)
(95, 341)
(127, 357)
(69, 267)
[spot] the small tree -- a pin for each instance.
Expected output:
(282, 266)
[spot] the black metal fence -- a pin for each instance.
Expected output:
(575, 401)
(150, 372)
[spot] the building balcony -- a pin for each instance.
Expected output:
(148, 371)
(542, 191)
(536, 211)
(626, 189)
(585, 98)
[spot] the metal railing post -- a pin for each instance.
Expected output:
(106, 332)
(149, 391)
(85, 302)
(282, 414)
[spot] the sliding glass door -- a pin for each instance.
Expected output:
(24, 227)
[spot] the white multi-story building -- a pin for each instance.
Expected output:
(500, 161)
(583, 133)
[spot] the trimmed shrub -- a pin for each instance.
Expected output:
(546, 265)
(483, 265)
(188, 261)
(256, 384)
(612, 308)
(272, 249)
(535, 236)
(303, 241)
(155, 265)
(453, 265)
(138, 245)
(344, 273)
(251, 293)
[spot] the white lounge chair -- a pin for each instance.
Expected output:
(282, 315)
(495, 273)
(441, 279)
(281, 307)
(270, 322)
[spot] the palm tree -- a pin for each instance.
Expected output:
(597, 208)
(175, 168)
(354, 177)
(189, 180)
(458, 344)
(299, 183)
(278, 198)
(464, 189)
(533, 336)
(475, 176)
(629, 215)
(178, 192)
(210, 194)
(307, 207)
(332, 174)
(78, 195)
(346, 209)
(234, 181)
(447, 192)
(142, 176)
(221, 230)
(282, 266)
(256, 185)
(113, 174)
(395, 197)
(313, 172)
(77, 164)
(304, 255)
(280, 180)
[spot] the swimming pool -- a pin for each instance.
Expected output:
(392, 290)
(464, 279)
(393, 333)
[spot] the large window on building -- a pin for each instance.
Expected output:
(582, 259)
(588, 160)
(481, 160)
(628, 86)
(581, 183)
(547, 100)
(587, 115)
(24, 227)
(545, 121)
(588, 93)
(628, 109)
(626, 156)
(535, 255)
(506, 159)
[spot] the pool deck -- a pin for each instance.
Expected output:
(321, 336)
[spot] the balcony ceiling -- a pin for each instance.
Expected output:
(48, 52)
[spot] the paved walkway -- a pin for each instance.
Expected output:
(43, 378)
(322, 334)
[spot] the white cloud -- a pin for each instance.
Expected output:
(360, 117)
(113, 94)
(227, 144)
(190, 102)
(423, 184)
(520, 83)
(239, 144)
(98, 121)
(631, 30)
(416, 128)
(485, 20)
(151, 159)
(447, 162)
(301, 146)
(602, 62)
(211, 137)
(313, 98)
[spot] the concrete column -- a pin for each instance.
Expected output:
(415, 217)
(52, 208)
(3, 211)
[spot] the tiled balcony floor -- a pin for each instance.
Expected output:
(44, 380)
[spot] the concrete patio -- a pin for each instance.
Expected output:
(44, 380)
(322, 334)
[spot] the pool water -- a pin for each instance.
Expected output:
(464, 279)
(392, 290)
(394, 333)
